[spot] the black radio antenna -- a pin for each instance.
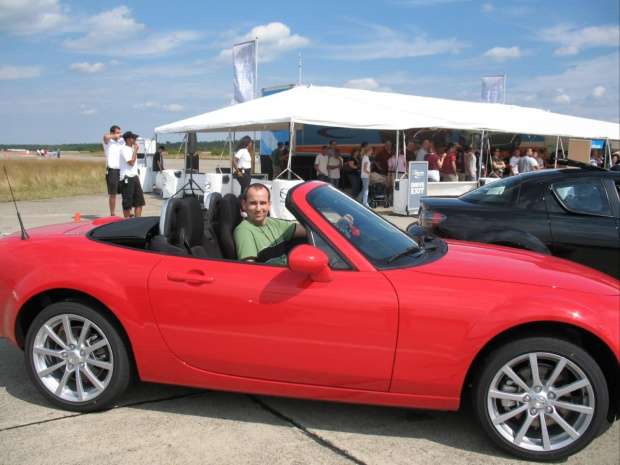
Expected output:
(21, 224)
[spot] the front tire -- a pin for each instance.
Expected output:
(76, 357)
(541, 398)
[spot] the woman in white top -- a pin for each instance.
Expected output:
(242, 162)
(365, 175)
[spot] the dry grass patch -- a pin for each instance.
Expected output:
(34, 178)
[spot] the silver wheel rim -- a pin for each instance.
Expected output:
(541, 402)
(73, 358)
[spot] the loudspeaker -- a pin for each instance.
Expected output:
(192, 142)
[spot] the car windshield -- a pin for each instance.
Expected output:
(504, 192)
(377, 239)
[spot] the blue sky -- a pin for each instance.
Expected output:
(70, 69)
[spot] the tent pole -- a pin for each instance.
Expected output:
(291, 138)
(557, 146)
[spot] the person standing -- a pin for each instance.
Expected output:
(382, 157)
(131, 190)
(471, 172)
(334, 165)
(365, 176)
(423, 150)
(353, 173)
(527, 162)
(410, 153)
(158, 159)
(320, 164)
(513, 163)
(242, 162)
(448, 169)
(275, 160)
(112, 143)
(498, 166)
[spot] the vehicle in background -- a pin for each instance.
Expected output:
(569, 213)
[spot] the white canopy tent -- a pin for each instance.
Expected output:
(362, 109)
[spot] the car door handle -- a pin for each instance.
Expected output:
(190, 277)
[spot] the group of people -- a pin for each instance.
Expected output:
(502, 165)
(121, 152)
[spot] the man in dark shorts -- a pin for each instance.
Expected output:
(112, 144)
(131, 190)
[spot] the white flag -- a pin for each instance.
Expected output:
(244, 63)
(493, 89)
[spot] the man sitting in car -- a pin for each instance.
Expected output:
(261, 238)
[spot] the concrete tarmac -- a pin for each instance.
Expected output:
(163, 424)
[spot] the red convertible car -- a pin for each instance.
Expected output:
(361, 313)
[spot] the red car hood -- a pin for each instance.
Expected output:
(494, 263)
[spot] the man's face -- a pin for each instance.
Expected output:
(117, 132)
(257, 206)
(388, 145)
(528, 152)
(426, 144)
(324, 151)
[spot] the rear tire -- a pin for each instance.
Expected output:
(541, 398)
(76, 357)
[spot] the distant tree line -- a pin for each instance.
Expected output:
(215, 147)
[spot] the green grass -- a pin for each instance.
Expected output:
(33, 178)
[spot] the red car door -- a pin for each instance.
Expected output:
(266, 322)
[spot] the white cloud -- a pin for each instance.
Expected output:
(573, 39)
(562, 99)
(30, 17)
(87, 111)
(382, 42)
(19, 72)
(145, 105)
(88, 67)
(566, 51)
(487, 8)
(577, 85)
(366, 84)
(598, 92)
(174, 107)
(273, 40)
(115, 31)
(502, 54)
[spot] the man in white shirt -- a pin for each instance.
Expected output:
(423, 150)
(527, 162)
(320, 164)
(513, 163)
(112, 144)
(131, 190)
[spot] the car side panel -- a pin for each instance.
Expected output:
(267, 322)
(446, 321)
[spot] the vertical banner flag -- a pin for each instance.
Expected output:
(493, 89)
(244, 63)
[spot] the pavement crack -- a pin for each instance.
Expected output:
(135, 404)
(315, 437)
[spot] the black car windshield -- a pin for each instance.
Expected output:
(504, 192)
(377, 239)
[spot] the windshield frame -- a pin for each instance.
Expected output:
(378, 240)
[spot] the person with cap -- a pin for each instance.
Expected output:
(131, 190)
(112, 143)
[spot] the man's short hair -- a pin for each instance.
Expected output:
(256, 186)
(325, 147)
(280, 144)
(113, 129)
(161, 147)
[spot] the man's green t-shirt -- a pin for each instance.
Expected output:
(264, 243)
(275, 157)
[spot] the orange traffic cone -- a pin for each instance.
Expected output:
(77, 218)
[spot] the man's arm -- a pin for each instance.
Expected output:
(135, 155)
(108, 137)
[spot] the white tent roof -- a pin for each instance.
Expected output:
(363, 109)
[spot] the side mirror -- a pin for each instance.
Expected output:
(309, 260)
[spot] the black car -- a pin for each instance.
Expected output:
(570, 213)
